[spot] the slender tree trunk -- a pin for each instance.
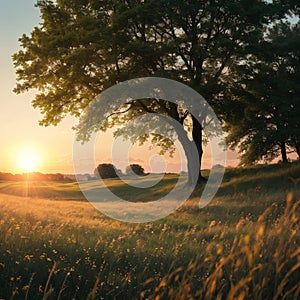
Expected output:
(197, 137)
(297, 147)
(283, 152)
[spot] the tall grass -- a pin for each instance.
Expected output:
(253, 261)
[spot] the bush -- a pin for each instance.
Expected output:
(106, 171)
(135, 169)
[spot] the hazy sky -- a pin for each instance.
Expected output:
(20, 132)
(19, 121)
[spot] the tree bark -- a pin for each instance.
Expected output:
(191, 154)
(198, 139)
(297, 147)
(283, 152)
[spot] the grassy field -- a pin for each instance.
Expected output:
(243, 245)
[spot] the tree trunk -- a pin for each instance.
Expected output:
(297, 147)
(283, 152)
(197, 137)
(192, 163)
(191, 154)
(193, 149)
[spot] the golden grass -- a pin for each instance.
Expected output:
(60, 212)
(65, 249)
(261, 262)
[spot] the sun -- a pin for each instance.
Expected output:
(28, 159)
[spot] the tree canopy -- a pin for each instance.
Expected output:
(268, 125)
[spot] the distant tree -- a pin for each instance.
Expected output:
(7, 176)
(264, 120)
(135, 169)
(88, 176)
(55, 177)
(106, 171)
(19, 177)
(37, 176)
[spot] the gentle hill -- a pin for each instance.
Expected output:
(42, 189)
(262, 179)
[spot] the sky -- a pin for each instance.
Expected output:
(24, 144)
(20, 132)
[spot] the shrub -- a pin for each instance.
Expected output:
(135, 169)
(106, 171)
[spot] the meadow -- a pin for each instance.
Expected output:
(243, 245)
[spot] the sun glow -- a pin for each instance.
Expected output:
(28, 159)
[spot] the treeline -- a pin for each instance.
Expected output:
(35, 176)
(103, 170)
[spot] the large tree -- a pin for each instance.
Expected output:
(82, 47)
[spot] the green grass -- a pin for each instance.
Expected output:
(42, 189)
(243, 245)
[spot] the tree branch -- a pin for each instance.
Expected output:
(223, 65)
(120, 112)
